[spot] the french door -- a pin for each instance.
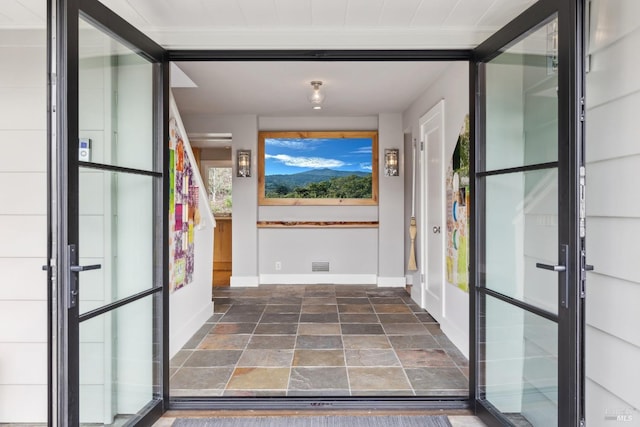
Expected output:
(528, 249)
(109, 223)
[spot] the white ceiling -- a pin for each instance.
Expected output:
(318, 24)
(278, 88)
(281, 88)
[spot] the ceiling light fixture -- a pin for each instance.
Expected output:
(316, 97)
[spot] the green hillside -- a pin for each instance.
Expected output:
(320, 183)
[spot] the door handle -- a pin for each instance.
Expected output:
(436, 229)
(561, 267)
(79, 268)
(551, 267)
(72, 263)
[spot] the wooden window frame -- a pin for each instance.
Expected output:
(269, 201)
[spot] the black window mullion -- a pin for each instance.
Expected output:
(116, 304)
(518, 169)
(112, 168)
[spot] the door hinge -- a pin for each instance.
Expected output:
(421, 278)
(582, 106)
(583, 206)
(421, 145)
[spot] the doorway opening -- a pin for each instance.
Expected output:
(354, 330)
(215, 166)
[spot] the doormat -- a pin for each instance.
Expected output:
(319, 421)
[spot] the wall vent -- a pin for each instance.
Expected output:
(320, 266)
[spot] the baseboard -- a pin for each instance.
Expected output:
(180, 338)
(245, 281)
(458, 337)
(317, 279)
(392, 282)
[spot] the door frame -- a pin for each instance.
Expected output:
(571, 199)
(64, 124)
(63, 195)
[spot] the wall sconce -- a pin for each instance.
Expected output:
(243, 158)
(391, 162)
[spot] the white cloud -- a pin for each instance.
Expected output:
(306, 162)
(294, 144)
(363, 150)
(366, 166)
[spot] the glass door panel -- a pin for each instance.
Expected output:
(115, 86)
(522, 101)
(520, 364)
(520, 183)
(112, 113)
(117, 363)
(116, 223)
(528, 306)
(522, 230)
(116, 231)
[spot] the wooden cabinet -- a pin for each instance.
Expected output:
(222, 239)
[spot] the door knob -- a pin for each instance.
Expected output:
(436, 229)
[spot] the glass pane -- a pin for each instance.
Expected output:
(522, 102)
(117, 363)
(115, 96)
(521, 230)
(116, 231)
(23, 212)
(520, 361)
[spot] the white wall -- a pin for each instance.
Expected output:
(244, 129)
(191, 306)
(453, 87)
(355, 262)
(352, 253)
(613, 215)
(23, 226)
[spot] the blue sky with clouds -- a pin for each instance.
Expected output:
(284, 156)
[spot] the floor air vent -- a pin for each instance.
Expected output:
(320, 266)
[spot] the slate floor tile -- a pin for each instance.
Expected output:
(318, 358)
(259, 378)
(318, 378)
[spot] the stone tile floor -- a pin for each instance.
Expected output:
(318, 340)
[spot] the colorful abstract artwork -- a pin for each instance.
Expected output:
(458, 197)
(183, 212)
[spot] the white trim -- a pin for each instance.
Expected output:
(425, 224)
(317, 279)
(392, 282)
(180, 338)
(245, 281)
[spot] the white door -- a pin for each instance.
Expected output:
(432, 240)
